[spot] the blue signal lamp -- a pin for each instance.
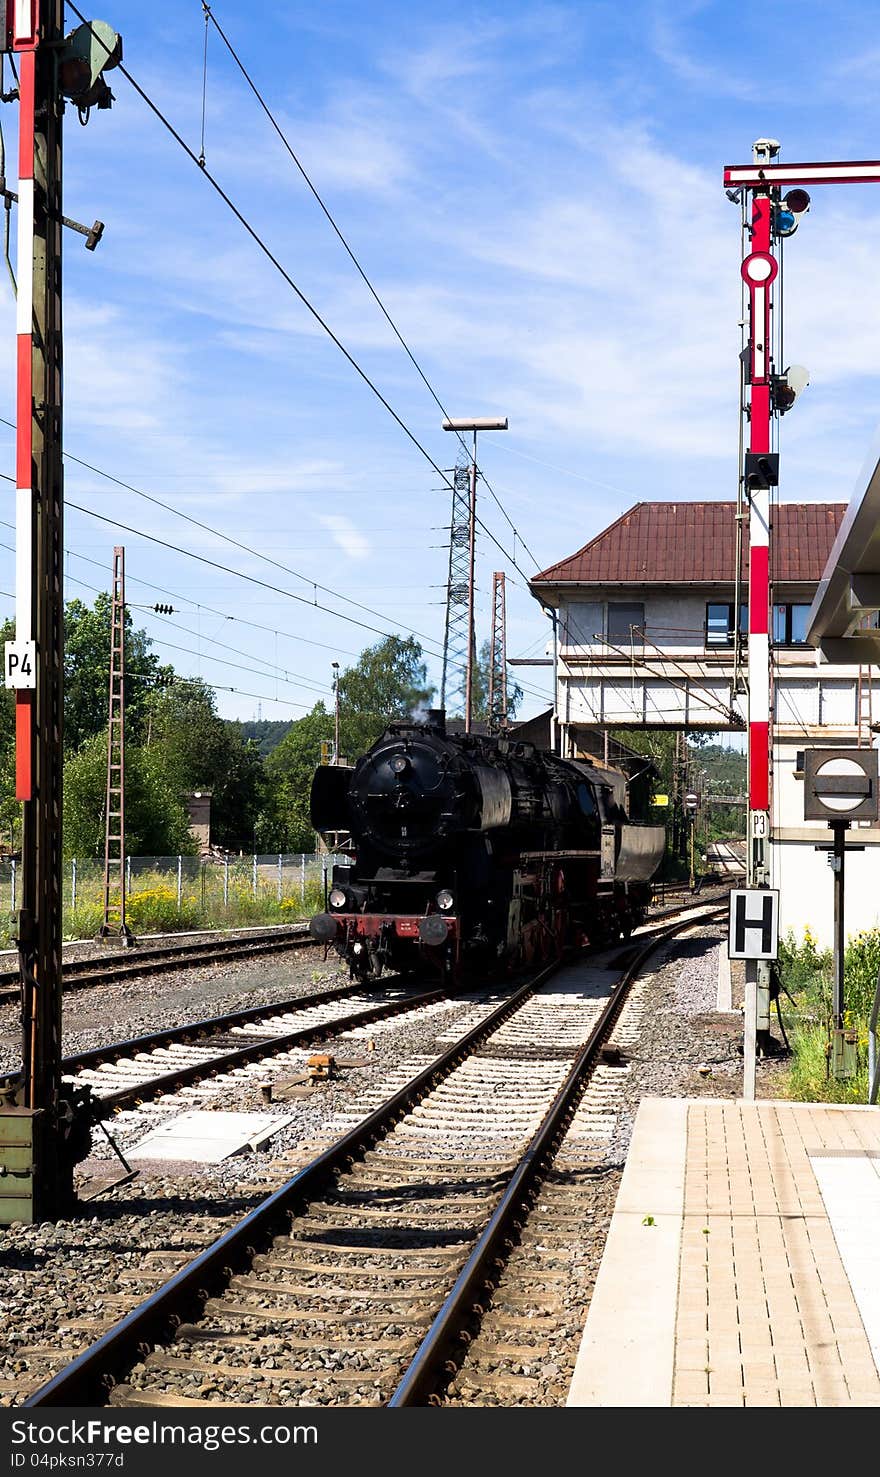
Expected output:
(785, 222)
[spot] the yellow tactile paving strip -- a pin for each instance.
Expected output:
(766, 1315)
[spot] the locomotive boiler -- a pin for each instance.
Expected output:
(472, 852)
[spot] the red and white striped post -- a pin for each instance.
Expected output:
(21, 662)
(759, 270)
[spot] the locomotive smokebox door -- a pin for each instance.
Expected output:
(608, 854)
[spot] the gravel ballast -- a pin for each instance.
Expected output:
(62, 1284)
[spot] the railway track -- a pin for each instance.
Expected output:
(356, 1280)
(81, 974)
(124, 1075)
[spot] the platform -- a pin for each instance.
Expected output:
(742, 1265)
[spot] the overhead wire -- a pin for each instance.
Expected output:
(267, 251)
(225, 537)
(226, 569)
(291, 679)
(355, 262)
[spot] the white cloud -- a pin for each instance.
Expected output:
(353, 543)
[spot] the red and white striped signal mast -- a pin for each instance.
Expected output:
(770, 216)
(41, 1127)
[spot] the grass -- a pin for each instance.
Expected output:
(152, 906)
(807, 973)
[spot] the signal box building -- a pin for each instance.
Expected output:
(651, 633)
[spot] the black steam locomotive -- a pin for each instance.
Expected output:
(473, 853)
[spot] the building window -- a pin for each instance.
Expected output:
(719, 622)
(790, 624)
(625, 621)
(583, 623)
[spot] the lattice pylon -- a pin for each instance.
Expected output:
(114, 924)
(457, 637)
(498, 656)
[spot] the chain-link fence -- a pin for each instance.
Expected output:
(165, 893)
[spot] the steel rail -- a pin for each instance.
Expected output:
(434, 1359)
(126, 1097)
(80, 974)
(210, 1026)
(88, 1379)
(96, 1056)
(132, 1096)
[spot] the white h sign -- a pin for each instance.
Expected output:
(754, 924)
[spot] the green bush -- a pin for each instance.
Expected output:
(807, 974)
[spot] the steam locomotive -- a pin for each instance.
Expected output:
(472, 852)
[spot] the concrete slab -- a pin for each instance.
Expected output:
(850, 1186)
(631, 1324)
(741, 1266)
(208, 1138)
(725, 987)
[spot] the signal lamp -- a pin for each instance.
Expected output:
(444, 900)
(797, 201)
(784, 222)
(399, 764)
(337, 898)
(89, 51)
(786, 387)
(761, 470)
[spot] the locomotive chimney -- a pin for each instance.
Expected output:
(436, 718)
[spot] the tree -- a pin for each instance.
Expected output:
(285, 824)
(156, 823)
(388, 681)
(266, 733)
(87, 666)
(201, 751)
(480, 688)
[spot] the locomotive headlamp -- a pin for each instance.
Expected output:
(444, 900)
(337, 898)
(400, 764)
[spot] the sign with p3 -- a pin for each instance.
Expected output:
(21, 664)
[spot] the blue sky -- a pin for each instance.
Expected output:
(536, 193)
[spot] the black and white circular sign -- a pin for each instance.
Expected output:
(840, 784)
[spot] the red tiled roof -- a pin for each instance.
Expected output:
(694, 543)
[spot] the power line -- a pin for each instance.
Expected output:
(226, 569)
(227, 538)
(197, 604)
(275, 673)
(357, 265)
(258, 240)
